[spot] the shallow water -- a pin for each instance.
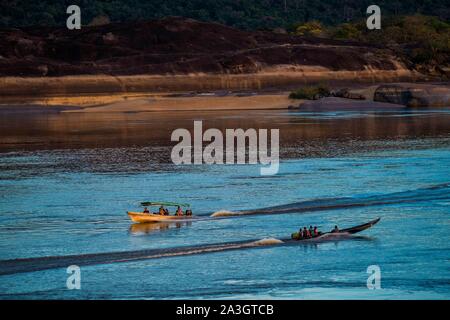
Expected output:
(66, 181)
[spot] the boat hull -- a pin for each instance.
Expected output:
(141, 217)
(346, 231)
(361, 227)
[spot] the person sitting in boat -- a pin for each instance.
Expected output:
(179, 212)
(311, 231)
(336, 229)
(306, 234)
(315, 232)
(188, 212)
(162, 211)
(300, 234)
(146, 210)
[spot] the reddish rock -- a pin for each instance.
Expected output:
(174, 46)
(414, 95)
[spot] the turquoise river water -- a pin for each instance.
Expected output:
(67, 180)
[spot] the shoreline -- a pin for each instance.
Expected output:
(195, 103)
(147, 93)
(13, 88)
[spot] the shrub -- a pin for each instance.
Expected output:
(310, 93)
(346, 31)
(311, 28)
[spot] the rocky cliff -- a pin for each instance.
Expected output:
(180, 54)
(176, 46)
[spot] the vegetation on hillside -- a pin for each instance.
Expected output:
(420, 40)
(243, 14)
(417, 30)
(310, 29)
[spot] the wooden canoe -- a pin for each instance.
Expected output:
(351, 230)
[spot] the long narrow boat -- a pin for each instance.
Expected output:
(361, 227)
(347, 231)
(143, 217)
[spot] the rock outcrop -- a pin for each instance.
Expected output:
(174, 46)
(414, 95)
(345, 93)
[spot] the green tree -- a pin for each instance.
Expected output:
(311, 28)
(347, 31)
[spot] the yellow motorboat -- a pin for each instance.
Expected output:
(152, 217)
(146, 217)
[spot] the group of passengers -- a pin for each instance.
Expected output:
(165, 212)
(305, 233)
(180, 213)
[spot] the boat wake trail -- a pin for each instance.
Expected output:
(433, 193)
(42, 263)
(14, 266)
(436, 192)
(225, 213)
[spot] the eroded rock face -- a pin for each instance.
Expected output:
(176, 46)
(414, 95)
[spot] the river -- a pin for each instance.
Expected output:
(67, 180)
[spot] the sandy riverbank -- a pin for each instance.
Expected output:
(233, 101)
(214, 102)
(101, 88)
(103, 93)
(196, 103)
(185, 101)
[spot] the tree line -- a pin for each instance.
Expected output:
(243, 14)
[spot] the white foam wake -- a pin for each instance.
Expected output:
(224, 213)
(267, 242)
